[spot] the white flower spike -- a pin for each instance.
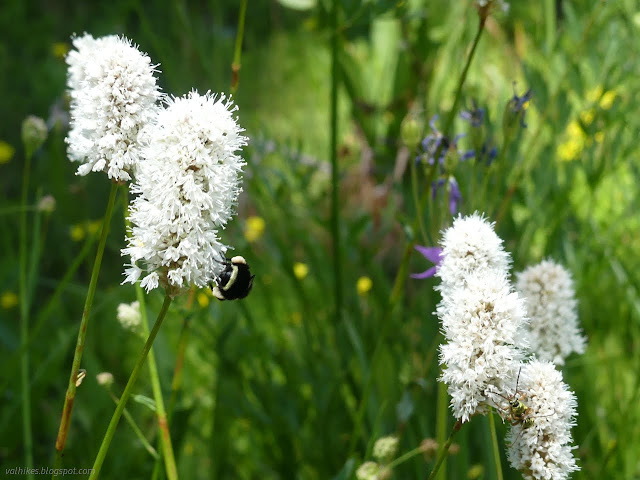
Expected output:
(470, 245)
(482, 321)
(114, 95)
(543, 450)
(187, 187)
(549, 295)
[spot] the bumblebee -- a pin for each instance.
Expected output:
(235, 281)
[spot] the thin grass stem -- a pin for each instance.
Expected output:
(24, 320)
(237, 54)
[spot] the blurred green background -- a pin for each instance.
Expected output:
(272, 385)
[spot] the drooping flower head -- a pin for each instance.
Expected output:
(114, 95)
(187, 190)
(549, 295)
(482, 320)
(543, 449)
(468, 246)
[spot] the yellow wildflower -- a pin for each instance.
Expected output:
(569, 150)
(77, 232)
(60, 50)
(594, 94)
(300, 270)
(94, 227)
(599, 136)
(606, 102)
(203, 299)
(587, 116)
(363, 285)
(8, 300)
(254, 228)
(6, 152)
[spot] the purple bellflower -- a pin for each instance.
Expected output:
(434, 255)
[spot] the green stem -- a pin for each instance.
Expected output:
(333, 127)
(407, 456)
(398, 284)
(65, 420)
(442, 414)
(18, 208)
(111, 429)
(416, 200)
(443, 451)
(24, 321)
(44, 313)
(496, 447)
(163, 424)
(235, 66)
(134, 426)
(177, 379)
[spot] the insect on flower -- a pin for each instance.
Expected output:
(518, 413)
(235, 281)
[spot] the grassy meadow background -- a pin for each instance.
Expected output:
(278, 386)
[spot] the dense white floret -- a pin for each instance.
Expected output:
(553, 331)
(482, 321)
(470, 245)
(113, 96)
(544, 451)
(187, 188)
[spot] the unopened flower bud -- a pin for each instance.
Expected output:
(429, 447)
(411, 131)
(47, 204)
(34, 133)
(385, 448)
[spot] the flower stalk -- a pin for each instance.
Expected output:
(111, 429)
(70, 396)
(444, 450)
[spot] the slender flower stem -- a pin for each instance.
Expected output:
(398, 283)
(496, 447)
(163, 424)
(111, 429)
(442, 413)
(443, 450)
(24, 320)
(177, 376)
(65, 421)
(407, 456)
(136, 429)
(333, 127)
(235, 66)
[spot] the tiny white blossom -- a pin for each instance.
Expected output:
(543, 450)
(553, 330)
(385, 448)
(104, 378)
(368, 471)
(129, 315)
(187, 188)
(482, 321)
(113, 96)
(468, 246)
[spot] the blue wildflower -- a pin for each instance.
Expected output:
(434, 255)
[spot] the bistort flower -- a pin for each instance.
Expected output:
(114, 95)
(470, 245)
(187, 188)
(129, 316)
(543, 450)
(482, 320)
(547, 289)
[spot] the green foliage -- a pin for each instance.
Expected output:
(272, 385)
